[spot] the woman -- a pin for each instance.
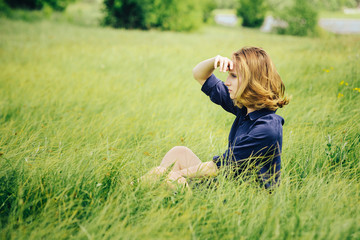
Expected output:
(252, 92)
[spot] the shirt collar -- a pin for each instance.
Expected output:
(259, 113)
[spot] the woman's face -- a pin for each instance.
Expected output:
(233, 83)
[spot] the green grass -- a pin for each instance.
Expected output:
(85, 13)
(86, 110)
(338, 14)
(322, 13)
(225, 11)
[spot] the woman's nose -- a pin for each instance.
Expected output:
(227, 82)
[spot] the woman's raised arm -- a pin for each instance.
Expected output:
(204, 69)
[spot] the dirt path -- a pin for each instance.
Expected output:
(339, 26)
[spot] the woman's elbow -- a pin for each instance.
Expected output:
(195, 74)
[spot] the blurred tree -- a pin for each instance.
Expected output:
(125, 13)
(185, 15)
(301, 18)
(58, 5)
(252, 12)
(208, 7)
(4, 9)
(229, 4)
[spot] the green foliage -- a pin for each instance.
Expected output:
(27, 4)
(174, 15)
(8, 191)
(341, 153)
(58, 5)
(208, 7)
(226, 4)
(301, 18)
(334, 5)
(125, 13)
(4, 9)
(252, 12)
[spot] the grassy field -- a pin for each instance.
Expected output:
(338, 14)
(322, 14)
(87, 110)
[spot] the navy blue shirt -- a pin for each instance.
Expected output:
(255, 138)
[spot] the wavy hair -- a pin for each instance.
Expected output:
(261, 85)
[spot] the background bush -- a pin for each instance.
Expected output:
(208, 7)
(252, 12)
(4, 9)
(174, 15)
(58, 5)
(334, 5)
(125, 13)
(301, 18)
(226, 4)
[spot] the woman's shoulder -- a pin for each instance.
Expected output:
(266, 117)
(268, 126)
(271, 118)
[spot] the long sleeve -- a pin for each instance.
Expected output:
(219, 94)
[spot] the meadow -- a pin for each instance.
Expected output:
(87, 110)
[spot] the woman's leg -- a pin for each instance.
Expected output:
(186, 163)
(183, 158)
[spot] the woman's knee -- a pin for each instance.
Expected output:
(180, 149)
(182, 157)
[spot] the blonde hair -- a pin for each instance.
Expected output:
(261, 85)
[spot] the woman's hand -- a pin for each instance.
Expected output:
(176, 177)
(204, 69)
(223, 63)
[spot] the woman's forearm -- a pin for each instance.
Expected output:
(203, 169)
(203, 70)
